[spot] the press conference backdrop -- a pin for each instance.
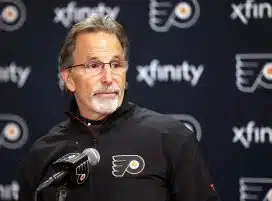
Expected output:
(207, 63)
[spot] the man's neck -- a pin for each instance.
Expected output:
(93, 116)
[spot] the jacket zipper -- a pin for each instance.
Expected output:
(94, 138)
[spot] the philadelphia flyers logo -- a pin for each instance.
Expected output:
(132, 164)
(82, 172)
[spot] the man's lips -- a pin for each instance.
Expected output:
(106, 94)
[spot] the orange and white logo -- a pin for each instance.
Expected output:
(12, 14)
(253, 71)
(258, 189)
(164, 14)
(132, 164)
(14, 132)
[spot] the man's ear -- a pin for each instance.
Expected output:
(68, 80)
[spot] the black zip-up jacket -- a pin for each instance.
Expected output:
(169, 165)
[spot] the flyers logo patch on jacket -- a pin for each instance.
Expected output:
(132, 164)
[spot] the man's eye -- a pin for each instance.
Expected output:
(93, 65)
(116, 64)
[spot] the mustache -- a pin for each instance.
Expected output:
(107, 89)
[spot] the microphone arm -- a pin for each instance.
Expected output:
(62, 191)
(56, 177)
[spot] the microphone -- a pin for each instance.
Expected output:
(72, 169)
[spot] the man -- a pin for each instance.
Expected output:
(156, 158)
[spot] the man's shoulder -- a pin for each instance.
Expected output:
(172, 131)
(55, 137)
(151, 118)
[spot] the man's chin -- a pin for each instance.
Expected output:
(105, 106)
(105, 111)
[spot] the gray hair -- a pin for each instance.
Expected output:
(91, 24)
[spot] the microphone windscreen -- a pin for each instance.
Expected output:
(93, 155)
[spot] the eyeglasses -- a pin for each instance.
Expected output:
(96, 67)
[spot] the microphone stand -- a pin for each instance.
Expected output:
(62, 193)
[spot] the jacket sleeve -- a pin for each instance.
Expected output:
(26, 181)
(189, 177)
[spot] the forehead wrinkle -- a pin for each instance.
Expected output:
(107, 54)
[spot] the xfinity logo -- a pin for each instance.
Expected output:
(14, 74)
(9, 191)
(156, 72)
(252, 134)
(251, 10)
(72, 14)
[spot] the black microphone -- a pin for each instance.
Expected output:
(72, 169)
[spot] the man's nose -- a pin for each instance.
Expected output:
(106, 74)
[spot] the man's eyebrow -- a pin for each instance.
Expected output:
(116, 57)
(96, 58)
(91, 58)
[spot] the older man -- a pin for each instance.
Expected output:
(145, 156)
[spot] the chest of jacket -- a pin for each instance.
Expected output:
(132, 166)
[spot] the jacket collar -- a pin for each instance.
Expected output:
(106, 123)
